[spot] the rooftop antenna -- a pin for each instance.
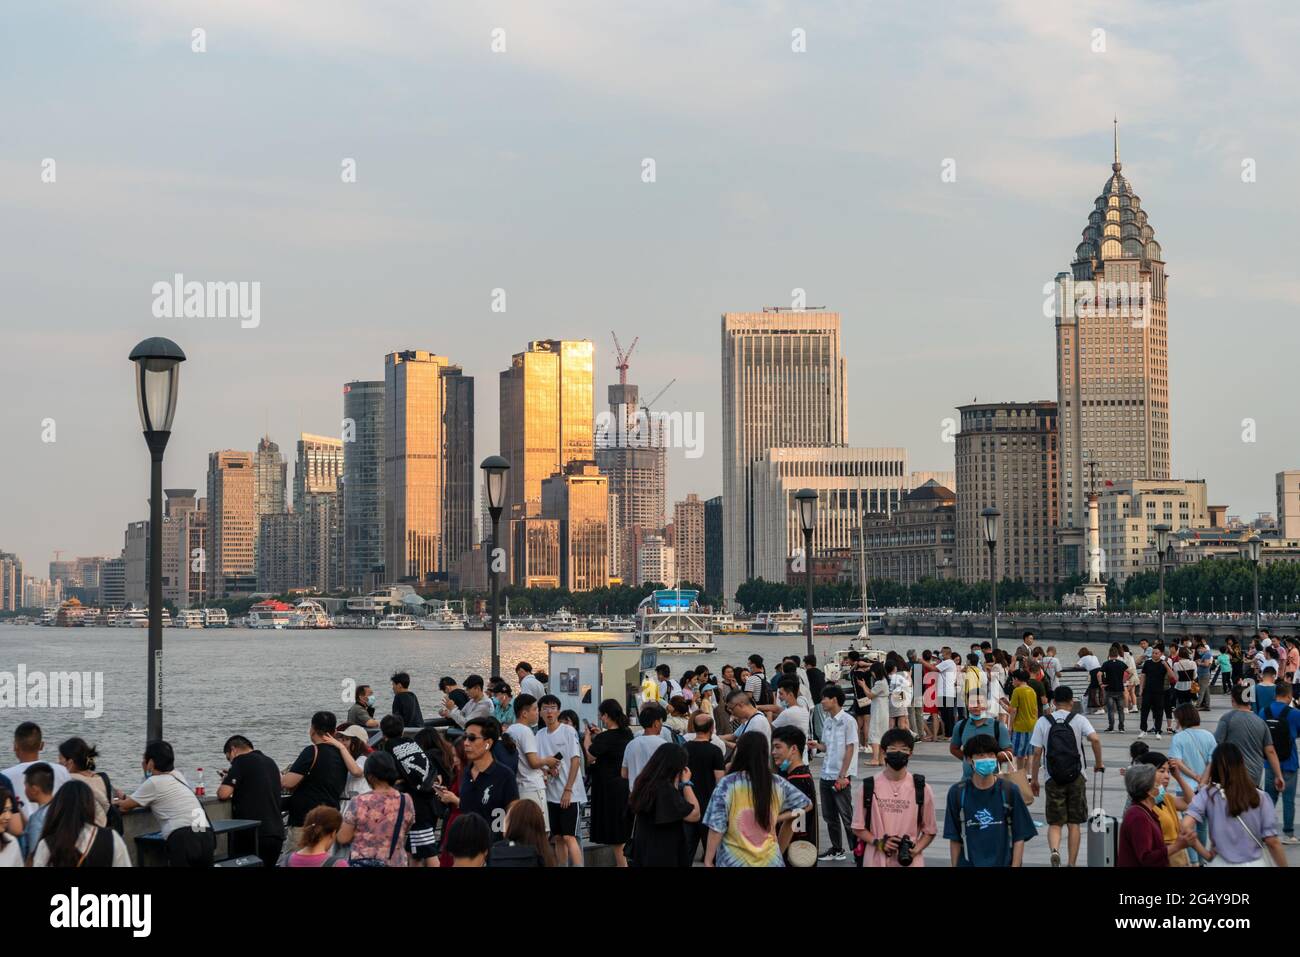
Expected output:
(1116, 165)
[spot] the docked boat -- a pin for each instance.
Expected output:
(671, 620)
(216, 618)
(444, 618)
(381, 601)
(398, 623)
(132, 618)
(271, 614)
(189, 618)
(562, 620)
(310, 614)
(778, 623)
(622, 625)
(727, 625)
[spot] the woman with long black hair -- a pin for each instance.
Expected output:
(1242, 820)
(71, 838)
(11, 851)
(604, 745)
(662, 801)
(747, 807)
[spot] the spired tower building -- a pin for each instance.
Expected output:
(1112, 359)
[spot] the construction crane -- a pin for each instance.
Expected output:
(621, 366)
(645, 409)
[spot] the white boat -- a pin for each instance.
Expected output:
(310, 614)
(215, 618)
(535, 626)
(189, 618)
(270, 614)
(443, 618)
(132, 618)
(622, 625)
(671, 620)
(381, 601)
(562, 620)
(778, 623)
(398, 623)
(597, 623)
(726, 624)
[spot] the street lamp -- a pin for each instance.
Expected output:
(1250, 551)
(991, 521)
(157, 375)
(1162, 542)
(806, 499)
(494, 479)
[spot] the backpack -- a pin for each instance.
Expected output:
(1279, 729)
(1008, 805)
(1064, 762)
(765, 695)
(868, 797)
(996, 733)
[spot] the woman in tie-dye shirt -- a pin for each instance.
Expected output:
(746, 808)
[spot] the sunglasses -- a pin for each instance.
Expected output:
(474, 737)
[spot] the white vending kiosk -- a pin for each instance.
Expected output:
(585, 673)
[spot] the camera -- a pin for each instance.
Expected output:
(904, 852)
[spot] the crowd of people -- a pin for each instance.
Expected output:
(721, 769)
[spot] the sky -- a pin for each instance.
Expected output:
(522, 169)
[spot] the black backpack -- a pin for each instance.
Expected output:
(1064, 762)
(765, 695)
(1279, 729)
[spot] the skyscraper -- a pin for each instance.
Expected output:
(1112, 358)
(783, 385)
(688, 541)
(578, 498)
(546, 423)
(363, 483)
(270, 474)
(232, 524)
(318, 467)
(629, 450)
(428, 465)
(179, 505)
(713, 546)
(1007, 458)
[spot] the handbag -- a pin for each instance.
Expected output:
(1019, 778)
(1264, 855)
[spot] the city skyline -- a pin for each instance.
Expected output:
(900, 254)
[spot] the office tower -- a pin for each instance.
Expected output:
(850, 483)
(615, 528)
(689, 540)
(630, 451)
(578, 498)
(546, 418)
(11, 582)
(428, 465)
(135, 553)
(280, 556)
(1288, 503)
(270, 473)
(320, 531)
(917, 541)
(66, 572)
(713, 546)
(535, 548)
(112, 583)
(232, 524)
(88, 571)
(363, 484)
(318, 467)
(178, 505)
(195, 536)
(1112, 358)
(783, 386)
(1007, 458)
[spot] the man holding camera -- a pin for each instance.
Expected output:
(895, 818)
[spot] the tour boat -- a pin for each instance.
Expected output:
(189, 618)
(671, 620)
(132, 618)
(442, 618)
(622, 625)
(270, 614)
(778, 623)
(216, 618)
(398, 623)
(727, 625)
(562, 620)
(311, 614)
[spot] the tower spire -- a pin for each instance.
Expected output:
(1116, 166)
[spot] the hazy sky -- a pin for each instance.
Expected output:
(522, 170)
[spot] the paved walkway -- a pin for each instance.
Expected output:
(941, 771)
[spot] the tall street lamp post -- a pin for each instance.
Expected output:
(991, 521)
(807, 501)
(1250, 551)
(157, 374)
(1162, 542)
(494, 477)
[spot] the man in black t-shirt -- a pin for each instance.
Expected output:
(788, 744)
(1154, 673)
(1113, 673)
(486, 786)
(252, 786)
(317, 776)
(405, 704)
(708, 764)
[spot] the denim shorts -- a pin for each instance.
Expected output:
(1020, 745)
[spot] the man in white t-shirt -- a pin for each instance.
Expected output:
(947, 689)
(186, 831)
(638, 750)
(668, 688)
(835, 787)
(793, 709)
(746, 717)
(528, 682)
(1067, 800)
(532, 768)
(565, 792)
(28, 744)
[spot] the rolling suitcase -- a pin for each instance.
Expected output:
(1103, 832)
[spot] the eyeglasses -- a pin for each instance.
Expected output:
(474, 737)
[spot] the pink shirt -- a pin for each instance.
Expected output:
(893, 814)
(299, 859)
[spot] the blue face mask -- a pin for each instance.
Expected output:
(785, 765)
(1160, 795)
(370, 701)
(986, 766)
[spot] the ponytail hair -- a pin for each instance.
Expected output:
(321, 821)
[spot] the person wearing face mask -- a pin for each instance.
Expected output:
(895, 820)
(987, 823)
(788, 744)
(1141, 842)
(362, 711)
(1168, 805)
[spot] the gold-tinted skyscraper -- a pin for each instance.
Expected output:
(1112, 358)
(428, 464)
(232, 523)
(546, 418)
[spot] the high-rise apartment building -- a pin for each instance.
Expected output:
(1112, 358)
(363, 485)
(428, 465)
(232, 524)
(688, 539)
(318, 467)
(11, 582)
(783, 386)
(178, 506)
(135, 553)
(656, 561)
(1007, 458)
(713, 546)
(578, 498)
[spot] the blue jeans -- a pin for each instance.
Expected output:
(1288, 799)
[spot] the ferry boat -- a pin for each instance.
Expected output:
(216, 618)
(270, 614)
(621, 625)
(671, 620)
(778, 623)
(727, 625)
(189, 618)
(443, 618)
(132, 618)
(310, 614)
(562, 620)
(398, 623)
